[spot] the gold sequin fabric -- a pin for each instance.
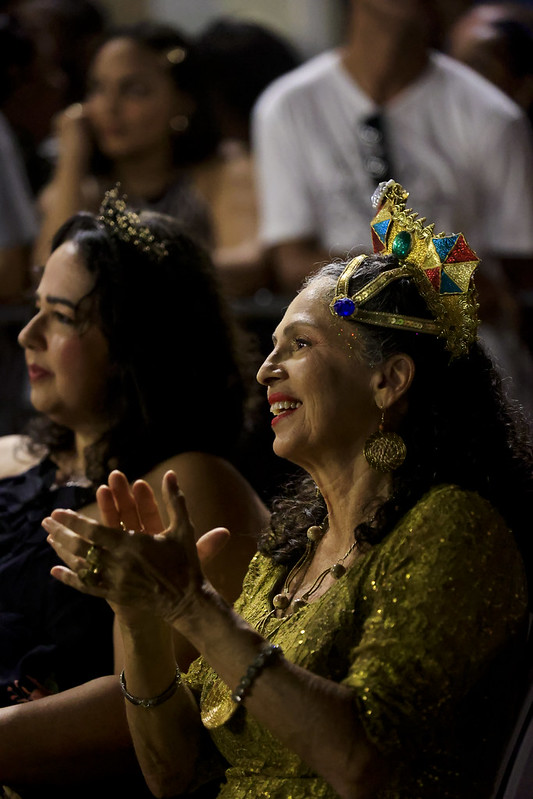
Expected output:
(427, 628)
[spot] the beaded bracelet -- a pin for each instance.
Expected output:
(154, 701)
(266, 652)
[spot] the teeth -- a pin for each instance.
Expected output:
(278, 407)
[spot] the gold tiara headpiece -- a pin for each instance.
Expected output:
(126, 224)
(441, 266)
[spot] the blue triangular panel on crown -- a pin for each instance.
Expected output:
(444, 245)
(447, 285)
(381, 229)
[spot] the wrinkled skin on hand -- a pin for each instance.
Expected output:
(146, 569)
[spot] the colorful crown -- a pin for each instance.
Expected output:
(126, 224)
(441, 266)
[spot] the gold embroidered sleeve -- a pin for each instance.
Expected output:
(445, 598)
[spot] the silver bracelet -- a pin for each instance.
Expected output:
(266, 652)
(154, 701)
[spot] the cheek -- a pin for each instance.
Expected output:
(68, 353)
(152, 113)
(82, 361)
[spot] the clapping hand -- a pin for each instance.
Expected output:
(131, 561)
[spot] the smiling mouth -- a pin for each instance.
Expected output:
(277, 408)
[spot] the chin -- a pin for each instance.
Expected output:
(287, 450)
(38, 402)
(113, 151)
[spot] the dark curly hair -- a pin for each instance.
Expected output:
(200, 140)
(178, 369)
(240, 59)
(459, 429)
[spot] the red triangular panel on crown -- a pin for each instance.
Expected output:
(433, 275)
(460, 252)
(376, 242)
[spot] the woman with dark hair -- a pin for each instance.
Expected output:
(378, 644)
(145, 123)
(120, 299)
(239, 59)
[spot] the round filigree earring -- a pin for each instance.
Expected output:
(384, 451)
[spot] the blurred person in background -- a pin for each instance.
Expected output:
(142, 123)
(387, 104)
(240, 59)
(65, 35)
(17, 220)
(18, 228)
(496, 39)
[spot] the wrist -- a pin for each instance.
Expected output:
(153, 701)
(212, 626)
(144, 631)
(70, 170)
(200, 613)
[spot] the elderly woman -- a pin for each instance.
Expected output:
(376, 645)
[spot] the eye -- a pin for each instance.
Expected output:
(300, 343)
(136, 89)
(63, 318)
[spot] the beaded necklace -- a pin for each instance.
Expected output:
(282, 600)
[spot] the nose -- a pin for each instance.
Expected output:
(111, 101)
(31, 336)
(102, 104)
(270, 370)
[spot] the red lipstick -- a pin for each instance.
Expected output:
(278, 397)
(37, 373)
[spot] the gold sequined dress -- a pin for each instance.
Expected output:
(427, 628)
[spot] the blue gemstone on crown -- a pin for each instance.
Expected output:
(344, 307)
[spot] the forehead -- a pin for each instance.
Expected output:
(311, 307)
(124, 56)
(65, 275)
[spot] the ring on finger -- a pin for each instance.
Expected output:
(91, 576)
(93, 555)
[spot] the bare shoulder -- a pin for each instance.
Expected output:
(216, 492)
(14, 456)
(217, 495)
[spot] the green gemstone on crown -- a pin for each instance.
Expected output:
(402, 244)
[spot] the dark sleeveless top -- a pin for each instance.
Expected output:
(49, 633)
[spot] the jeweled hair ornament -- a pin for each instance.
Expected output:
(126, 224)
(441, 266)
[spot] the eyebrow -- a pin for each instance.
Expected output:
(53, 300)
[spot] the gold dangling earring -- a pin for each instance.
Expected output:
(179, 123)
(383, 451)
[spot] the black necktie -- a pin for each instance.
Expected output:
(373, 145)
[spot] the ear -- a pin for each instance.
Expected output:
(391, 380)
